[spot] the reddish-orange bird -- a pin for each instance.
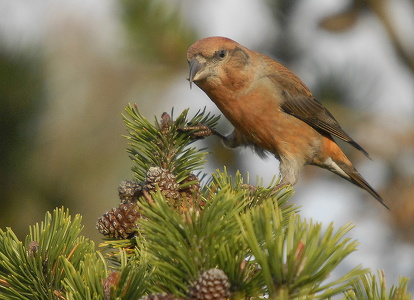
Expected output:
(271, 109)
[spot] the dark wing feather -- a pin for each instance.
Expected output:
(301, 104)
(310, 111)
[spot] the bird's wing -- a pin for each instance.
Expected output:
(305, 107)
(310, 111)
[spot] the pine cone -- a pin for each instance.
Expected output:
(165, 181)
(111, 281)
(129, 191)
(212, 284)
(160, 297)
(119, 222)
(32, 248)
(165, 123)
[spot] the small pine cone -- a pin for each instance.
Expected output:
(111, 281)
(165, 180)
(160, 297)
(129, 191)
(212, 284)
(32, 248)
(120, 222)
(165, 123)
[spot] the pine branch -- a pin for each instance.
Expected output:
(84, 282)
(183, 246)
(36, 268)
(164, 144)
(172, 239)
(294, 257)
(257, 194)
(134, 277)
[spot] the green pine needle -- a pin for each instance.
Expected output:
(183, 246)
(36, 268)
(256, 194)
(371, 287)
(85, 281)
(135, 276)
(295, 258)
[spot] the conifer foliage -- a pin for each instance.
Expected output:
(179, 235)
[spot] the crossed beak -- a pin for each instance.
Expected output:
(198, 71)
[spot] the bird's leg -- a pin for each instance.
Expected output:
(289, 171)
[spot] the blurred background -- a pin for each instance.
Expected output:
(68, 69)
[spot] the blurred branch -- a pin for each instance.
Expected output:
(156, 30)
(379, 7)
(347, 18)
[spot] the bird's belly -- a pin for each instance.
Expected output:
(284, 136)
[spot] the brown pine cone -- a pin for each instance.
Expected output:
(129, 191)
(212, 284)
(32, 248)
(165, 181)
(120, 222)
(166, 123)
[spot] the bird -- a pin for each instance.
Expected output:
(272, 110)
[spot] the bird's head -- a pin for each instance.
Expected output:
(215, 59)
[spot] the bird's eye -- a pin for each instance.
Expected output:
(222, 53)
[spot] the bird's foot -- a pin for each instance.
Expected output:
(277, 188)
(199, 131)
(253, 189)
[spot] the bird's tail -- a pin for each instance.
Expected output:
(351, 174)
(337, 162)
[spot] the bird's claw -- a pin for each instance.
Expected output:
(276, 189)
(199, 131)
(253, 189)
